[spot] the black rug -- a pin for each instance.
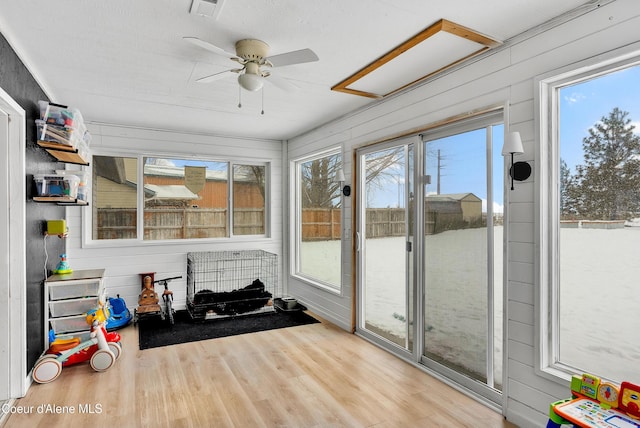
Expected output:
(153, 333)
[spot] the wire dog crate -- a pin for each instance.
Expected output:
(228, 283)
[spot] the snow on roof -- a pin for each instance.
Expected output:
(172, 191)
(178, 171)
(453, 197)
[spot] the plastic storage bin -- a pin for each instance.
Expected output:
(75, 290)
(84, 190)
(63, 308)
(58, 114)
(69, 324)
(61, 124)
(57, 185)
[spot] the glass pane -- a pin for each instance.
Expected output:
(185, 199)
(456, 277)
(249, 199)
(497, 132)
(114, 198)
(386, 280)
(598, 232)
(319, 241)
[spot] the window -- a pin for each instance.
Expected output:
(180, 198)
(317, 213)
(248, 199)
(185, 199)
(590, 222)
(114, 188)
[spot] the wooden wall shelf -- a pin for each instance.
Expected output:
(61, 200)
(63, 153)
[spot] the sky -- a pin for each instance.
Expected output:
(462, 169)
(583, 105)
(463, 157)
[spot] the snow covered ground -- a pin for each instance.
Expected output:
(601, 285)
(599, 321)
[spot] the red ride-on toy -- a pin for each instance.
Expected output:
(102, 349)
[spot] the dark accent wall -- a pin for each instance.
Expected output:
(18, 82)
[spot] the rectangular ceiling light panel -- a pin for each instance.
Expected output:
(438, 47)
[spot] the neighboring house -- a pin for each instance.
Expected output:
(164, 186)
(467, 205)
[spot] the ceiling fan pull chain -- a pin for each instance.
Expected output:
(262, 112)
(239, 97)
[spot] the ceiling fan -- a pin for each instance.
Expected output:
(253, 54)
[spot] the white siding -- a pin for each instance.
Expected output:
(504, 78)
(123, 263)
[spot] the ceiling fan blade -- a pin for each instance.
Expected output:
(214, 77)
(294, 57)
(208, 46)
(283, 84)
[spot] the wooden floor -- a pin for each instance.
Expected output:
(309, 376)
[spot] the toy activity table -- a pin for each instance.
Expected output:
(597, 404)
(584, 412)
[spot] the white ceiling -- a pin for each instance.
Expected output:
(125, 62)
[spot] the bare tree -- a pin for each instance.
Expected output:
(319, 187)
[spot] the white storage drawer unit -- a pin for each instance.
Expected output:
(68, 297)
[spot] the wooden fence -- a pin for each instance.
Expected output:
(317, 223)
(177, 223)
(321, 224)
(384, 222)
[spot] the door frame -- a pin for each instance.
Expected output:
(13, 334)
(415, 274)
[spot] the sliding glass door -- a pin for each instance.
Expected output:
(385, 243)
(462, 285)
(430, 273)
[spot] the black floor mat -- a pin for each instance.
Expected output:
(153, 333)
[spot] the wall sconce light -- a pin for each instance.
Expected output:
(346, 189)
(513, 146)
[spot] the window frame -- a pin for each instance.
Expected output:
(87, 214)
(547, 198)
(295, 231)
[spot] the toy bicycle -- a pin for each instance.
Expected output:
(102, 349)
(148, 302)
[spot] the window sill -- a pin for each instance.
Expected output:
(554, 374)
(318, 284)
(129, 243)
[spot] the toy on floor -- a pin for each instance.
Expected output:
(148, 298)
(595, 403)
(102, 349)
(148, 301)
(120, 314)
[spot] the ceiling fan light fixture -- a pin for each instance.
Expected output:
(250, 82)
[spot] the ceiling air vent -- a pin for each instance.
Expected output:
(210, 8)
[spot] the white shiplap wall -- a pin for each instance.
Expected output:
(123, 263)
(504, 78)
